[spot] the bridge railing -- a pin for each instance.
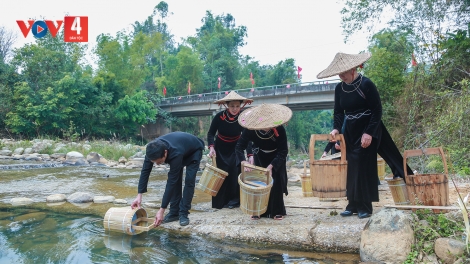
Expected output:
(293, 88)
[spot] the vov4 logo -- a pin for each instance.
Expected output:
(75, 28)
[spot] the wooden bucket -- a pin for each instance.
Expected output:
(399, 191)
(255, 187)
(430, 189)
(127, 220)
(212, 179)
(306, 182)
(381, 168)
(328, 176)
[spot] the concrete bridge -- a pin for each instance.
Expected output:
(317, 95)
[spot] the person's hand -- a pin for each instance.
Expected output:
(333, 134)
(159, 217)
(269, 170)
(324, 154)
(337, 146)
(251, 160)
(211, 152)
(136, 203)
(244, 163)
(366, 140)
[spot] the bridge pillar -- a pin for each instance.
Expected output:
(152, 131)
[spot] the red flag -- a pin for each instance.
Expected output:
(189, 88)
(413, 60)
(164, 90)
(298, 71)
(253, 81)
(218, 85)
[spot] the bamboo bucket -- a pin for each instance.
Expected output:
(430, 189)
(212, 179)
(399, 191)
(255, 187)
(306, 182)
(127, 220)
(328, 176)
(381, 168)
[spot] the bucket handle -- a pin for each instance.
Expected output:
(305, 166)
(425, 151)
(214, 163)
(338, 137)
(143, 228)
(253, 167)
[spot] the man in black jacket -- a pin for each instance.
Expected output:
(178, 149)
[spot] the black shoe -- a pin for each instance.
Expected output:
(184, 220)
(363, 215)
(170, 218)
(346, 213)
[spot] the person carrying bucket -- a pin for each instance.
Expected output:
(178, 149)
(226, 131)
(263, 126)
(358, 102)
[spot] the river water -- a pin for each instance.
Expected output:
(67, 233)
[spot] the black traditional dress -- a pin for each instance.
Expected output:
(359, 103)
(226, 130)
(271, 148)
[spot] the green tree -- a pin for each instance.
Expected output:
(217, 41)
(135, 110)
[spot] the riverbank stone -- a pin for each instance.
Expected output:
(387, 237)
(56, 198)
(103, 199)
(120, 201)
(21, 201)
(5, 152)
(448, 249)
(18, 151)
(80, 197)
(75, 158)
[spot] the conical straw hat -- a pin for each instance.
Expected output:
(233, 96)
(343, 62)
(264, 116)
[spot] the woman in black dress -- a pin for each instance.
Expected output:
(226, 131)
(358, 102)
(263, 127)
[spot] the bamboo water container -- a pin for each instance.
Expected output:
(328, 176)
(430, 189)
(399, 191)
(306, 182)
(127, 220)
(212, 179)
(255, 188)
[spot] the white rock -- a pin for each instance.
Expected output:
(28, 151)
(18, 151)
(103, 199)
(80, 197)
(120, 201)
(56, 198)
(21, 201)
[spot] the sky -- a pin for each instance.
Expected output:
(307, 30)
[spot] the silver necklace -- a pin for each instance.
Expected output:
(354, 84)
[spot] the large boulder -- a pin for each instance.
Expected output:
(336, 237)
(93, 157)
(5, 152)
(387, 237)
(75, 158)
(80, 197)
(39, 145)
(448, 249)
(18, 151)
(28, 151)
